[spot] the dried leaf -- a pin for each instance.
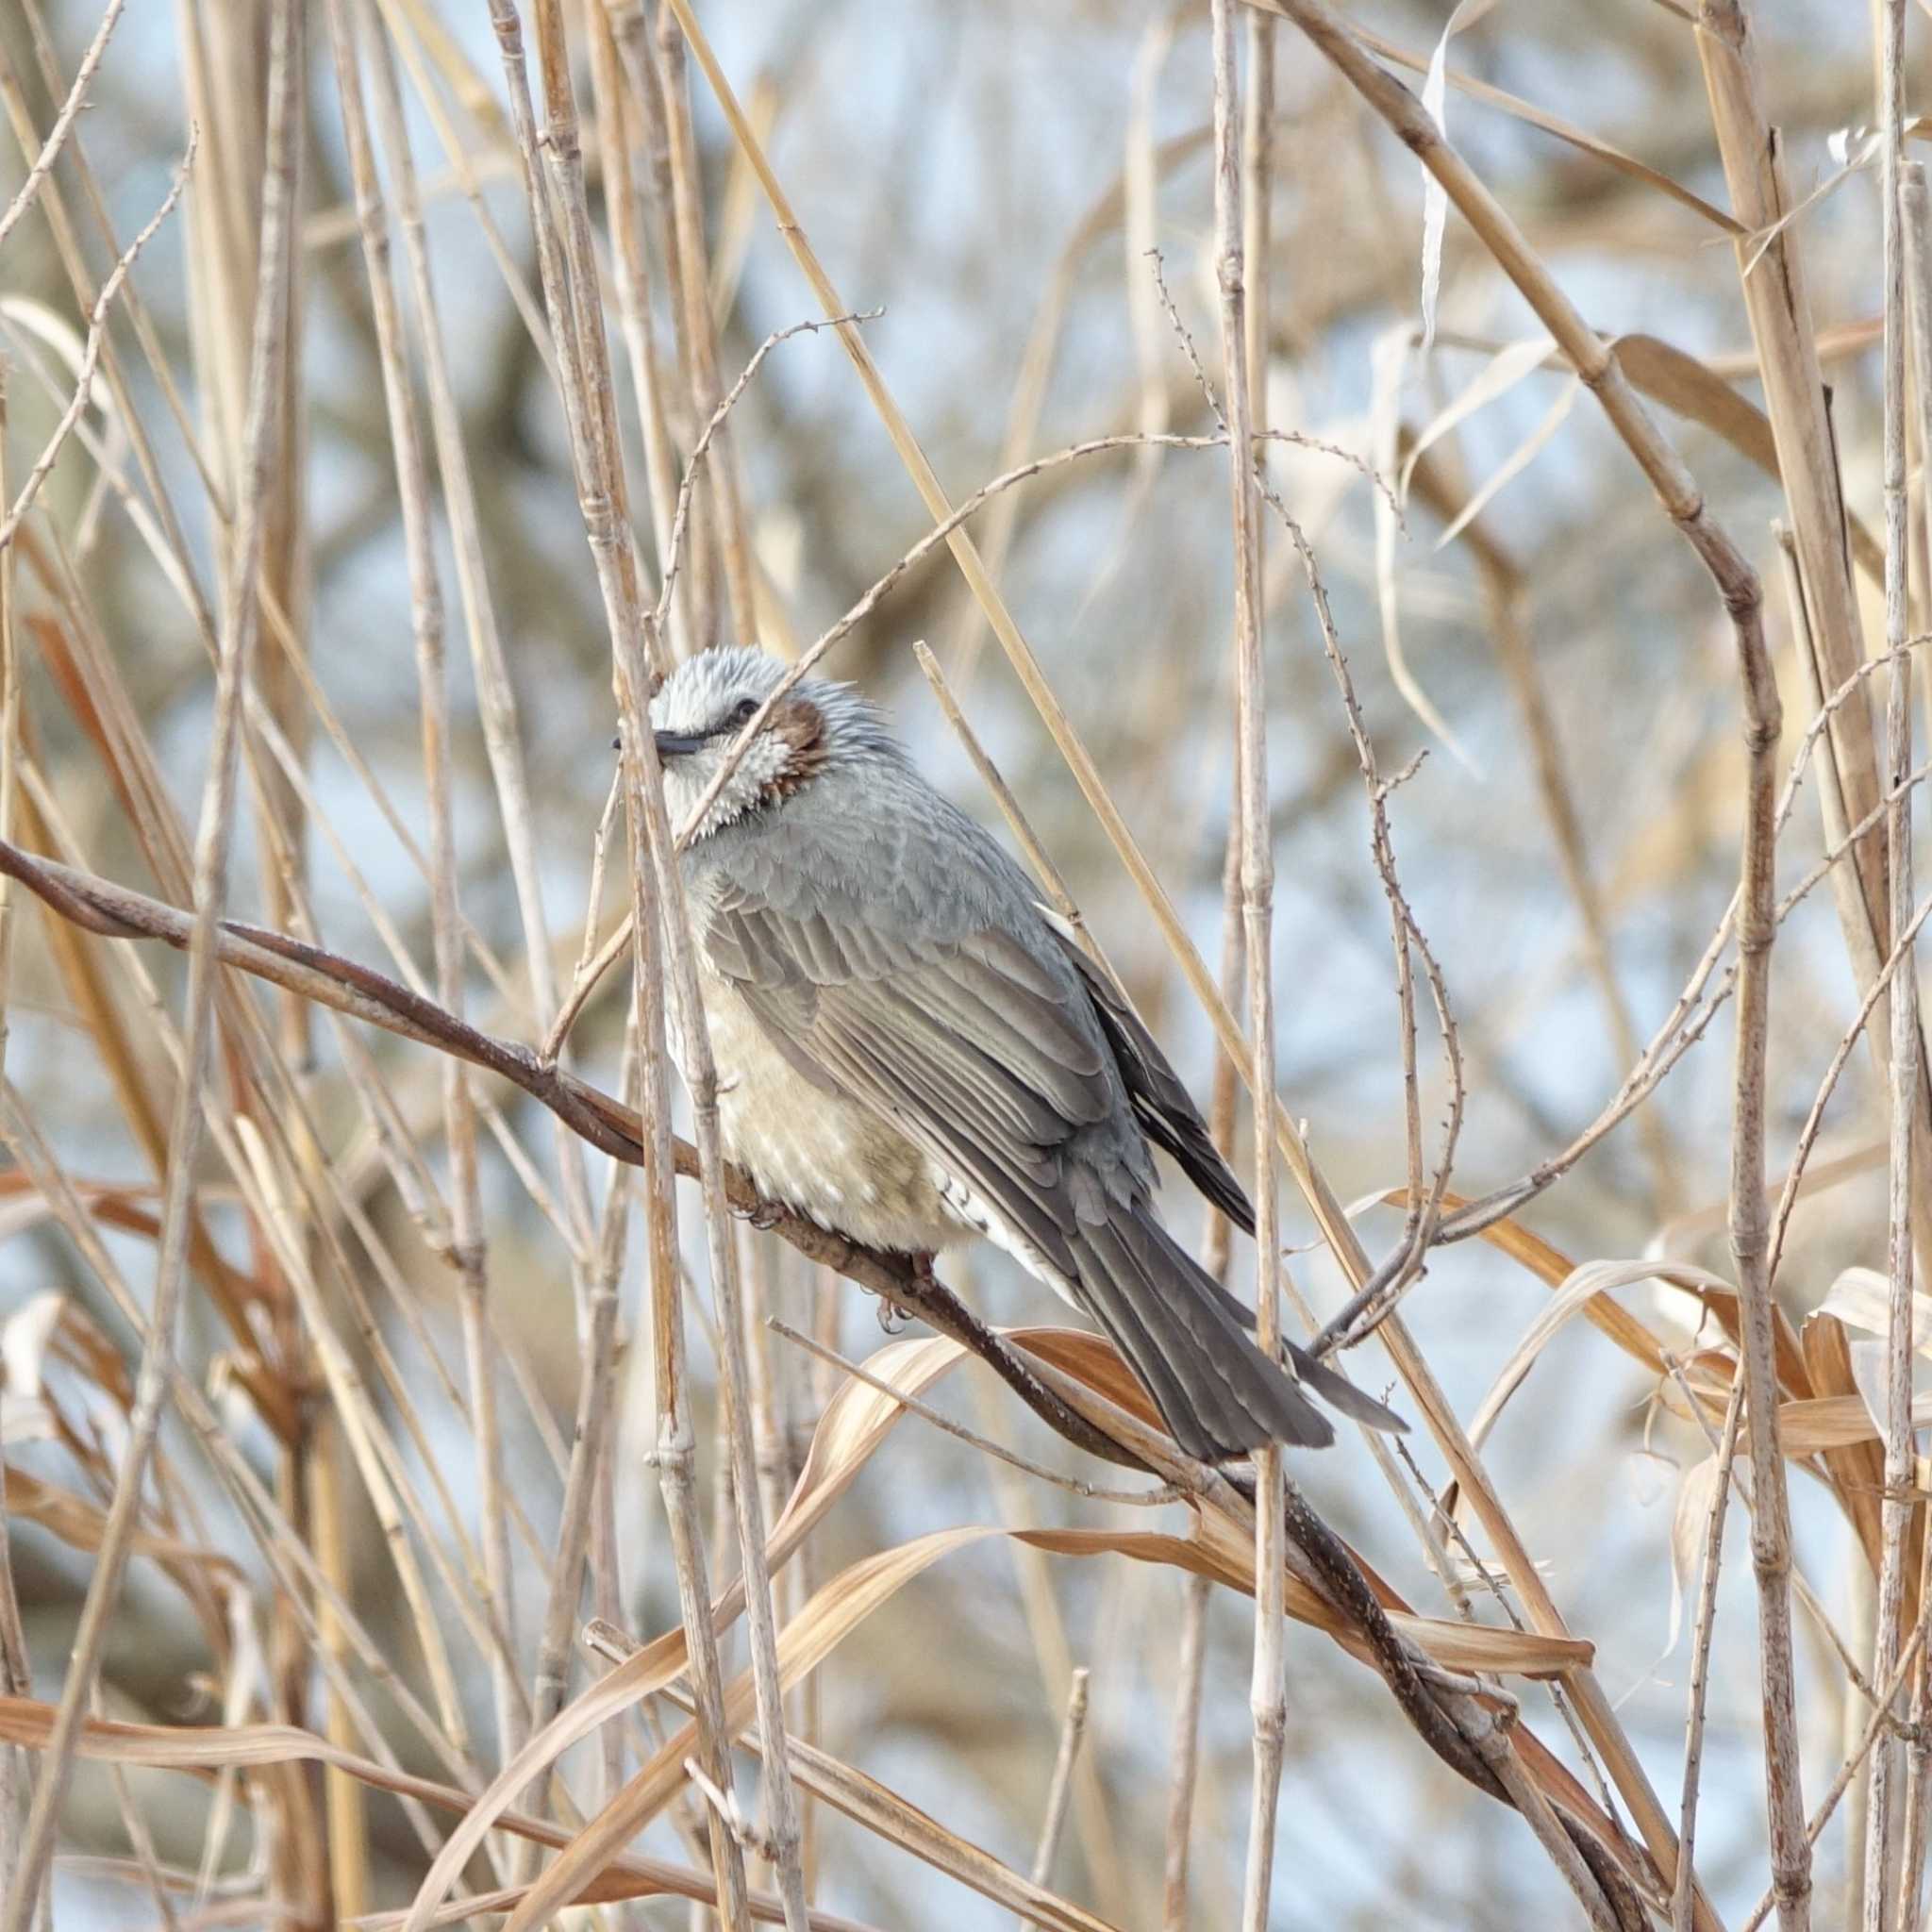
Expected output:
(26, 1721)
(79, 1525)
(1862, 1299)
(1514, 464)
(1580, 1289)
(1688, 388)
(1507, 367)
(1434, 198)
(1385, 417)
(1551, 1267)
(1690, 1521)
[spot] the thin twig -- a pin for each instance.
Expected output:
(90, 355)
(1703, 1627)
(1072, 1729)
(63, 122)
(1164, 1492)
(1268, 1689)
(714, 426)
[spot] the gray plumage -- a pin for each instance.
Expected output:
(910, 1051)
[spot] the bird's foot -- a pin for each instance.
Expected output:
(762, 1215)
(891, 1316)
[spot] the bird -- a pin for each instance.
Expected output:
(913, 1051)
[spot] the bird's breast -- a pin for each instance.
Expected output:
(830, 1158)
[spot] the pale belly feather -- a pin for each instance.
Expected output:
(831, 1159)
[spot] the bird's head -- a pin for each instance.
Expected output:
(702, 710)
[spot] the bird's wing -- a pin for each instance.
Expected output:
(968, 1045)
(993, 1064)
(1162, 1105)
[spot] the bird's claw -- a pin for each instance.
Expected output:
(762, 1215)
(892, 1317)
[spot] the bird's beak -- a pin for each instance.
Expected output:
(675, 744)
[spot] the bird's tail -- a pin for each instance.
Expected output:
(1219, 1395)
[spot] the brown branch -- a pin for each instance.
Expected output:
(348, 986)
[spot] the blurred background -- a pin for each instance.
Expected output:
(992, 180)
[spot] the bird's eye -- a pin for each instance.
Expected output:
(744, 711)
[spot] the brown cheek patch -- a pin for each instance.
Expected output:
(798, 725)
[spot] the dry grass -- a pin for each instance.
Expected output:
(344, 1577)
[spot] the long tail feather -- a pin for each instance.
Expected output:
(1219, 1395)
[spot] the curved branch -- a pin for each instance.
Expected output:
(1446, 1718)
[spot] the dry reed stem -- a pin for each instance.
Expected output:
(63, 121)
(675, 1447)
(698, 335)
(1268, 1689)
(1916, 222)
(619, 140)
(15, 1667)
(588, 1444)
(1703, 1627)
(1073, 1729)
(1505, 596)
(1776, 305)
(1028, 840)
(67, 244)
(459, 1119)
(1052, 1653)
(241, 620)
(1190, 1677)
(1879, 1724)
(1882, 1840)
(348, 1847)
(96, 340)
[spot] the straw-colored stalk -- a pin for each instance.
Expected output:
(1268, 1693)
(15, 1670)
(1883, 1844)
(1916, 222)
